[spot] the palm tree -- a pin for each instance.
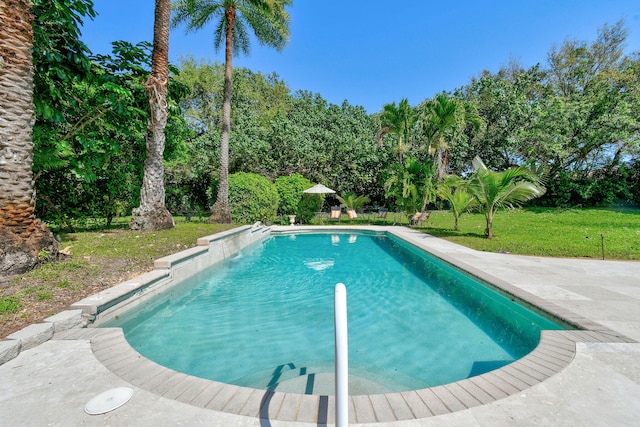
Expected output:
(352, 201)
(453, 189)
(444, 121)
(440, 123)
(493, 190)
(152, 213)
(412, 184)
(270, 24)
(399, 120)
(24, 240)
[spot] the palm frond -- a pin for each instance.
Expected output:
(241, 40)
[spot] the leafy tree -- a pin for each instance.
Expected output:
(257, 99)
(494, 190)
(399, 120)
(507, 102)
(269, 21)
(577, 115)
(87, 161)
(24, 240)
(276, 133)
(90, 163)
(453, 189)
(152, 213)
(60, 57)
(588, 122)
(326, 143)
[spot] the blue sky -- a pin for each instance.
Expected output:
(373, 52)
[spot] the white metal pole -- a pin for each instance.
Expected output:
(342, 355)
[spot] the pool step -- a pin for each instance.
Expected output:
(323, 383)
(269, 379)
(317, 380)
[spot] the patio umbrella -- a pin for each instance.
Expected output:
(319, 189)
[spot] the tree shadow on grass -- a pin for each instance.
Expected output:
(439, 232)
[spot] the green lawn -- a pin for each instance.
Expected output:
(95, 261)
(567, 233)
(547, 232)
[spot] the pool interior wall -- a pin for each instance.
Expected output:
(169, 271)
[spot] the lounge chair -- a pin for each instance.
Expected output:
(419, 217)
(382, 213)
(352, 214)
(414, 218)
(336, 213)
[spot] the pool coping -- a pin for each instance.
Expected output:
(554, 352)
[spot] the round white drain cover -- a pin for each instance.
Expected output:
(108, 401)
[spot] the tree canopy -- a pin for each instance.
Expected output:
(575, 115)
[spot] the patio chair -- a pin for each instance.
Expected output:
(382, 213)
(352, 214)
(419, 217)
(413, 219)
(336, 213)
(398, 217)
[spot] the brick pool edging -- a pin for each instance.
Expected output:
(554, 352)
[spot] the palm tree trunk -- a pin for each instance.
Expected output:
(440, 165)
(152, 213)
(488, 232)
(24, 240)
(220, 211)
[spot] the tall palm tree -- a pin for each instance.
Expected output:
(440, 124)
(399, 120)
(152, 213)
(270, 24)
(24, 240)
(444, 121)
(493, 189)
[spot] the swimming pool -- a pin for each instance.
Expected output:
(414, 322)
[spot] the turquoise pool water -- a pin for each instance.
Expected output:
(265, 317)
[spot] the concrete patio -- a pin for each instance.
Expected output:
(51, 383)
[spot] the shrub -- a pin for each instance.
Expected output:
(252, 198)
(599, 188)
(309, 205)
(292, 199)
(633, 180)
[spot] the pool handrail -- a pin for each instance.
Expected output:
(341, 355)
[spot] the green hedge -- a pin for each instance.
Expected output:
(292, 199)
(252, 198)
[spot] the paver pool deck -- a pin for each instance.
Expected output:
(596, 381)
